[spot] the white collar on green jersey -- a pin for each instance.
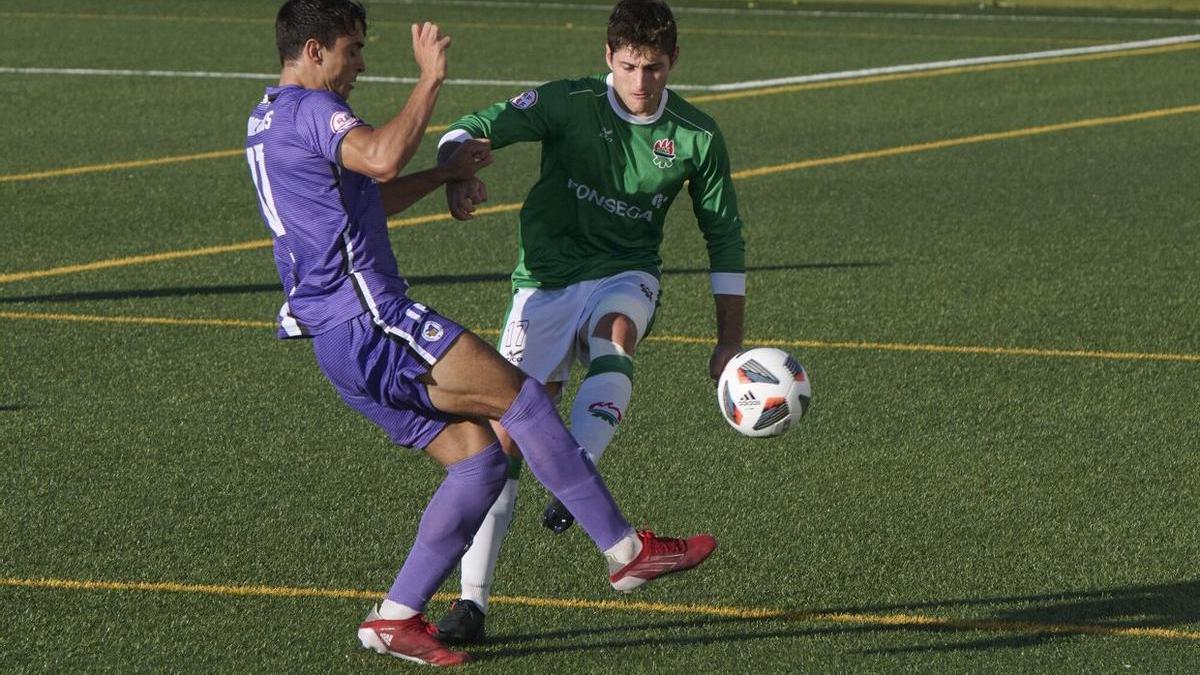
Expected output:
(625, 114)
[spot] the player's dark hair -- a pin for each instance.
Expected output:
(299, 21)
(641, 25)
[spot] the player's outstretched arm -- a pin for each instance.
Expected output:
(382, 153)
(401, 193)
(731, 310)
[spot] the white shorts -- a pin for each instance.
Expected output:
(547, 329)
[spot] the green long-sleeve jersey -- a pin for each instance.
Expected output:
(607, 180)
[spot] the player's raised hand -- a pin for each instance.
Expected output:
(429, 50)
(462, 196)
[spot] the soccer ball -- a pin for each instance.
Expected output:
(763, 391)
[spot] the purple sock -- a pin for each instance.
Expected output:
(560, 464)
(450, 520)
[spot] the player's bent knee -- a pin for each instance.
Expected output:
(618, 329)
(613, 323)
(459, 440)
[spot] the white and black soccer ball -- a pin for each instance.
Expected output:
(763, 391)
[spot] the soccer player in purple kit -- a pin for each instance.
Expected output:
(326, 182)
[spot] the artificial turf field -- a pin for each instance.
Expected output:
(989, 271)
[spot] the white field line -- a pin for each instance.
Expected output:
(730, 86)
(208, 74)
(956, 63)
(820, 14)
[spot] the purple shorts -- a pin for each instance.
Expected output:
(374, 361)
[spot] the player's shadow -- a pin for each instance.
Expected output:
(817, 265)
(623, 628)
(1016, 622)
(564, 641)
(1063, 615)
(12, 407)
(415, 281)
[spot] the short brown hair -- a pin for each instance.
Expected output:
(299, 21)
(642, 24)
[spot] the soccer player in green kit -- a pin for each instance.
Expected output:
(617, 150)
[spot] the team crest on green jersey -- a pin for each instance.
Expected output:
(664, 153)
(524, 100)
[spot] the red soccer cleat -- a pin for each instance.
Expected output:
(661, 556)
(410, 639)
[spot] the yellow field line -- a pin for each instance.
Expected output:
(768, 91)
(135, 260)
(945, 349)
(598, 28)
(884, 36)
(966, 140)
(215, 250)
(118, 166)
(514, 206)
(863, 619)
(876, 79)
(860, 345)
(134, 320)
(746, 173)
(138, 17)
(141, 163)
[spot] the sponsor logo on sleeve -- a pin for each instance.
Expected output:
(341, 121)
(524, 100)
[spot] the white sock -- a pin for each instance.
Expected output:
(395, 611)
(479, 562)
(600, 405)
(623, 552)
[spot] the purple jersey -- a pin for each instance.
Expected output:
(327, 223)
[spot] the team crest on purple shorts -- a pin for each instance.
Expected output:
(432, 331)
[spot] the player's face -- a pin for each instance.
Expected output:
(341, 63)
(640, 76)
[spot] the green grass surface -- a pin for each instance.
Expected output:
(1183, 6)
(936, 512)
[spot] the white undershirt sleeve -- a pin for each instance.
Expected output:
(454, 135)
(728, 283)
